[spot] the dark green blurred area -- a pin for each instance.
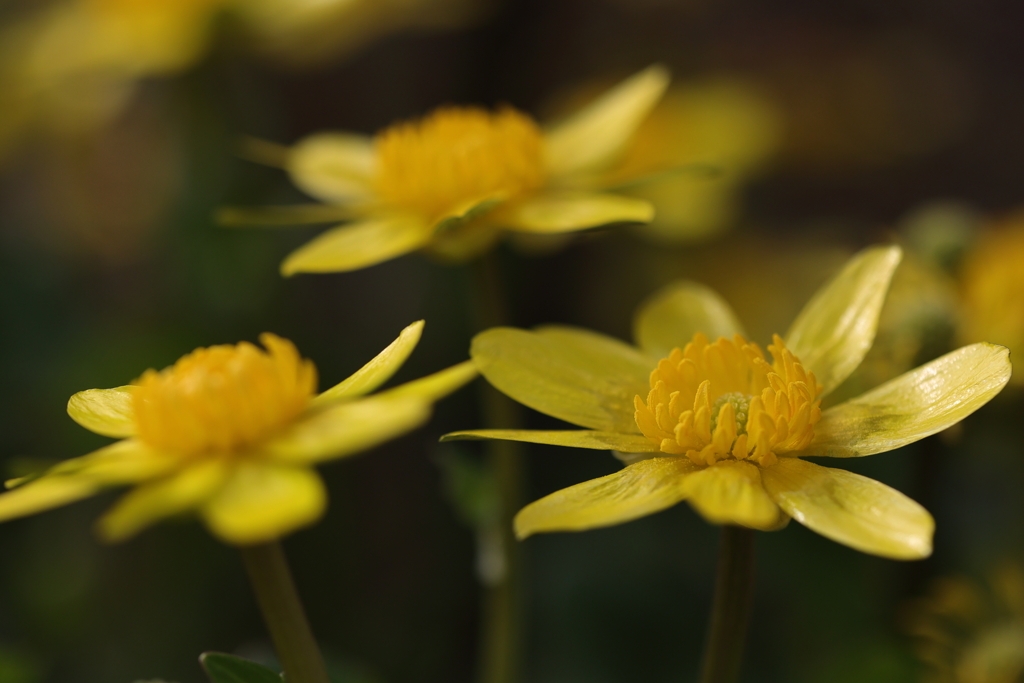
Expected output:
(885, 106)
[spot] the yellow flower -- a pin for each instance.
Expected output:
(724, 123)
(305, 32)
(72, 66)
(232, 433)
(449, 182)
(716, 424)
(993, 287)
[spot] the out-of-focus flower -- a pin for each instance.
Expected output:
(302, 32)
(73, 66)
(724, 124)
(968, 633)
(232, 433)
(992, 286)
(453, 180)
(715, 424)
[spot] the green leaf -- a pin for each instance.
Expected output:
(224, 668)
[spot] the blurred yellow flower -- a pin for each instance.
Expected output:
(723, 123)
(965, 632)
(232, 432)
(992, 285)
(303, 32)
(451, 181)
(715, 424)
(72, 66)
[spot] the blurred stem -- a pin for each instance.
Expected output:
(730, 612)
(501, 627)
(283, 613)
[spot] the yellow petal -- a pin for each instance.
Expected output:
(593, 137)
(45, 493)
(555, 212)
(615, 357)
(333, 167)
(105, 411)
(149, 503)
(379, 370)
(640, 489)
(730, 492)
(850, 509)
(126, 462)
(583, 378)
(262, 502)
(914, 405)
(436, 386)
(835, 329)
(296, 214)
(466, 212)
(627, 443)
(347, 428)
(358, 245)
(671, 317)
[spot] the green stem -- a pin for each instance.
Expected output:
(283, 613)
(730, 613)
(501, 618)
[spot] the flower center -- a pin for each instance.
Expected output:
(455, 157)
(740, 409)
(223, 399)
(718, 400)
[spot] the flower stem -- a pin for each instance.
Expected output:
(501, 618)
(730, 612)
(283, 613)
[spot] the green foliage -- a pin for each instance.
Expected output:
(17, 667)
(224, 668)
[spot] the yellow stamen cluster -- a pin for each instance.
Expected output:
(711, 401)
(457, 156)
(223, 399)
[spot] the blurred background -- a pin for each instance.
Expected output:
(123, 128)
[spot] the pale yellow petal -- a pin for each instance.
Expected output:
(463, 214)
(45, 493)
(640, 489)
(379, 370)
(614, 356)
(347, 428)
(671, 317)
(555, 212)
(590, 384)
(128, 461)
(596, 135)
(262, 502)
(835, 329)
(149, 503)
(627, 443)
(333, 167)
(358, 245)
(914, 405)
(730, 492)
(105, 411)
(850, 509)
(436, 386)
